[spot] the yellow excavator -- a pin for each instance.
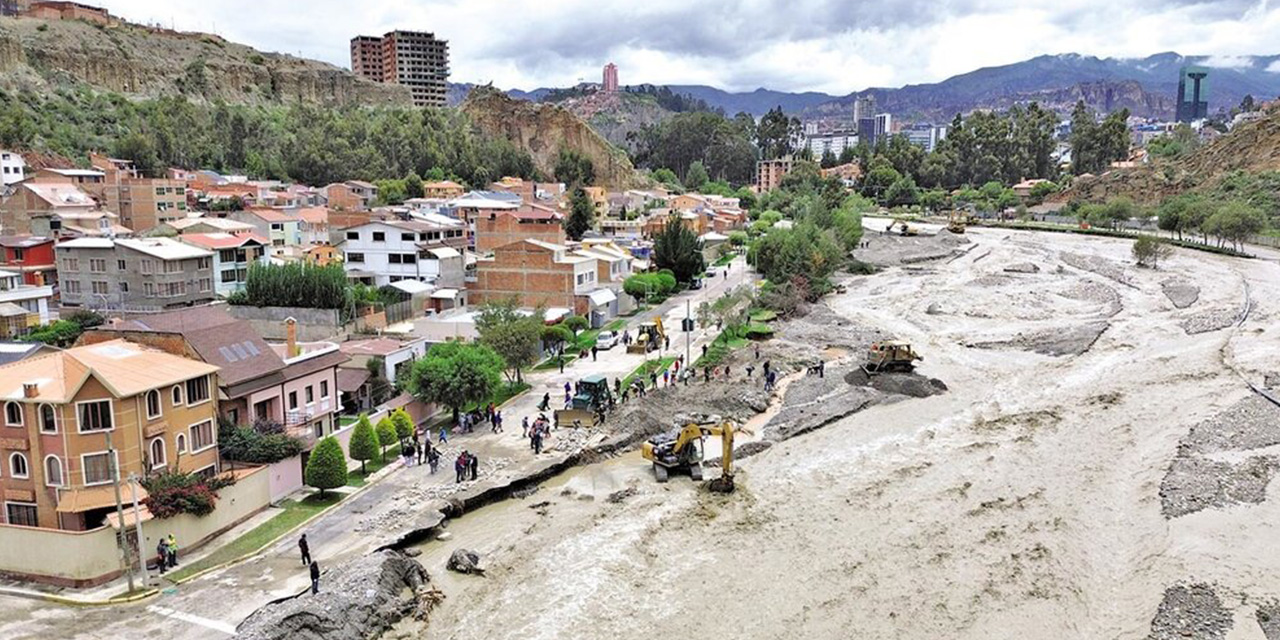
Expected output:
(681, 452)
(890, 355)
(956, 222)
(649, 337)
(903, 229)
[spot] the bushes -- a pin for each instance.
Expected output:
(364, 442)
(263, 443)
(175, 492)
(386, 432)
(403, 424)
(295, 284)
(327, 467)
(641, 285)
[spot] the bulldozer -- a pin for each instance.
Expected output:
(681, 452)
(649, 337)
(956, 222)
(903, 229)
(591, 401)
(890, 355)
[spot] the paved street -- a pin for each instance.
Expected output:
(212, 605)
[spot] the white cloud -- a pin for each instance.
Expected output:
(829, 45)
(1274, 67)
(1228, 62)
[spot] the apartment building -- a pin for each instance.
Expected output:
(769, 173)
(67, 413)
(415, 59)
(281, 228)
(144, 273)
(204, 224)
(32, 256)
(442, 189)
(22, 306)
(13, 168)
(290, 384)
(383, 252)
(536, 273)
(142, 203)
(232, 255)
(497, 227)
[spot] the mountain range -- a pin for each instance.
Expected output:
(1146, 86)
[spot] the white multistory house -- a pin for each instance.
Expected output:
(383, 252)
(12, 167)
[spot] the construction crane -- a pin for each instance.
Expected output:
(681, 451)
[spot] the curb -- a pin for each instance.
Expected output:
(375, 480)
(78, 602)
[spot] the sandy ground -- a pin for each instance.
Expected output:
(1026, 501)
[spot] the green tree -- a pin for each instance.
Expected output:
(776, 134)
(933, 200)
(555, 337)
(574, 169)
(576, 323)
(386, 432)
(380, 388)
(903, 191)
(364, 442)
(1149, 250)
(581, 217)
(413, 186)
(403, 424)
(454, 375)
(1041, 190)
(511, 334)
(679, 249)
(696, 177)
(326, 467)
(879, 177)
(668, 178)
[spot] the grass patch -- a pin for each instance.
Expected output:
(587, 339)
(356, 479)
(505, 393)
(648, 367)
(764, 315)
(295, 513)
(554, 363)
(344, 421)
(724, 259)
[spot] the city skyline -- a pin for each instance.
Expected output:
(743, 46)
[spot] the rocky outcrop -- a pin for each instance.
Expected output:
(543, 130)
(42, 56)
(357, 600)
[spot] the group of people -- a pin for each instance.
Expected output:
(537, 432)
(419, 448)
(311, 564)
(167, 553)
(466, 466)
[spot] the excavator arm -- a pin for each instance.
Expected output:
(725, 430)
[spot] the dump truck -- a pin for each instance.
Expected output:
(649, 337)
(681, 451)
(591, 402)
(890, 355)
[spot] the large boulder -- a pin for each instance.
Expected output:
(465, 561)
(357, 600)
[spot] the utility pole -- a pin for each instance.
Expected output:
(134, 481)
(688, 335)
(122, 537)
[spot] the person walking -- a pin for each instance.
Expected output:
(750, 370)
(822, 368)
(433, 458)
(305, 548)
(706, 374)
(666, 377)
(704, 350)
(417, 447)
(162, 551)
(315, 577)
(407, 452)
(766, 367)
(172, 543)
(524, 427)
(444, 434)
(536, 440)
(757, 352)
(594, 349)
(666, 343)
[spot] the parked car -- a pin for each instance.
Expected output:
(606, 340)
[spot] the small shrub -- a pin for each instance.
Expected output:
(174, 493)
(327, 467)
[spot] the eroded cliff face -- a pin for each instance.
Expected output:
(42, 56)
(543, 130)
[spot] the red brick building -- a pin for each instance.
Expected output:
(536, 273)
(32, 256)
(497, 227)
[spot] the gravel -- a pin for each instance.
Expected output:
(1268, 617)
(1211, 320)
(1097, 293)
(1194, 483)
(1252, 423)
(884, 250)
(1181, 294)
(1066, 341)
(1106, 268)
(1190, 611)
(1023, 267)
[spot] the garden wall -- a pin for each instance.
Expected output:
(313, 324)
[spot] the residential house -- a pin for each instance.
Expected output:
(257, 381)
(13, 168)
(22, 306)
(91, 181)
(322, 255)
(232, 255)
(142, 203)
(314, 226)
(474, 204)
(497, 227)
(202, 224)
(146, 273)
(30, 255)
(1023, 188)
(658, 219)
(442, 189)
(66, 412)
(388, 251)
(56, 208)
(352, 195)
(66, 10)
(536, 273)
(11, 352)
(396, 355)
(282, 228)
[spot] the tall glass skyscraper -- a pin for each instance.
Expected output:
(1193, 94)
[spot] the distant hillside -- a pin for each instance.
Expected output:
(41, 56)
(543, 130)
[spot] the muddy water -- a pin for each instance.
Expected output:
(1022, 503)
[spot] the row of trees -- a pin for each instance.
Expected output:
(296, 284)
(307, 143)
(1226, 222)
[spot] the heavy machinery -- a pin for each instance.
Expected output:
(956, 222)
(649, 337)
(890, 355)
(904, 229)
(591, 401)
(681, 452)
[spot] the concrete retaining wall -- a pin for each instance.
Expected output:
(313, 324)
(249, 495)
(284, 477)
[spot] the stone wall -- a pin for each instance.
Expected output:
(313, 324)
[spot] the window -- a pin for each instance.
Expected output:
(52, 471)
(71, 264)
(293, 400)
(355, 257)
(176, 392)
(207, 472)
(148, 266)
(48, 419)
(324, 389)
(18, 466)
(180, 443)
(97, 265)
(353, 235)
(121, 265)
(277, 226)
(172, 266)
(149, 289)
(95, 415)
(71, 286)
(234, 416)
(97, 468)
(318, 429)
(393, 258)
(379, 236)
(228, 276)
(124, 287)
(311, 395)
(18, 254)
(406, 237)
(197, 390)
(159, 191)
(201, 436)
(156, 450)
(99, 286)
(408, 258)
(227, 255)
(21, 514)
(206, 284)
(204, 263)
(13, 414)
(153, 404)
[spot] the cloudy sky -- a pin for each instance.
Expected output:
(836, 46)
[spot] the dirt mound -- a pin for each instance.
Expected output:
(357, 600)
(1181, 294)
(886, 250)
(1211, 320)
(1190, 611)
(1098, 293)
(1063, 341)
(903, 384)
(1109, 269)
